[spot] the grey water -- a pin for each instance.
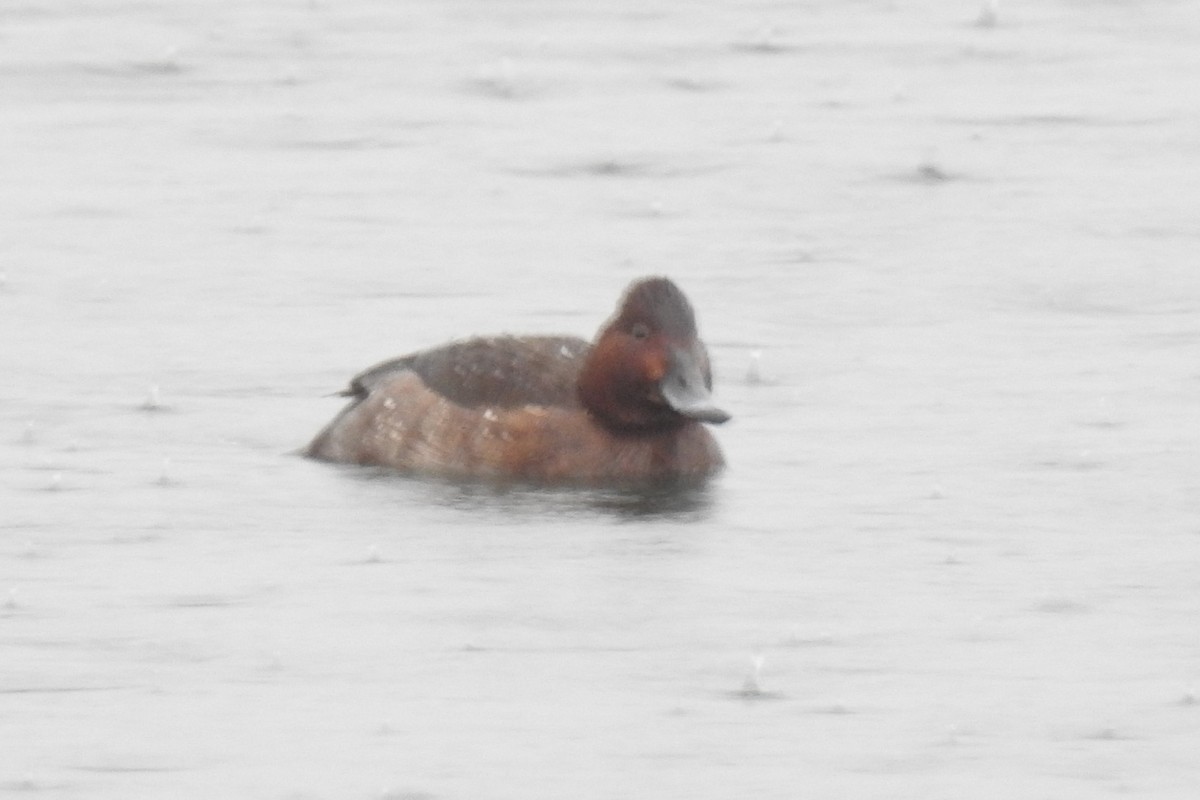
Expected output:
(946, 266)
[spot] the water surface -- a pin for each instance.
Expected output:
(948, 277)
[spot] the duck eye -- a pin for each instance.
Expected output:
(640, 330)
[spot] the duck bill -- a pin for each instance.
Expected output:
(684, 390)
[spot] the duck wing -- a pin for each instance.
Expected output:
(500, 371)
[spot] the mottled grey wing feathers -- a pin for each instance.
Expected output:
(500, 371)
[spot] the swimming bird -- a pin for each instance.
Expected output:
(628, 408)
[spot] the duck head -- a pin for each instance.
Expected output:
(647, 368)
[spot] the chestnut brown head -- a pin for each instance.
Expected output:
(648, 368)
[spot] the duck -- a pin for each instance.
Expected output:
(631, 407)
